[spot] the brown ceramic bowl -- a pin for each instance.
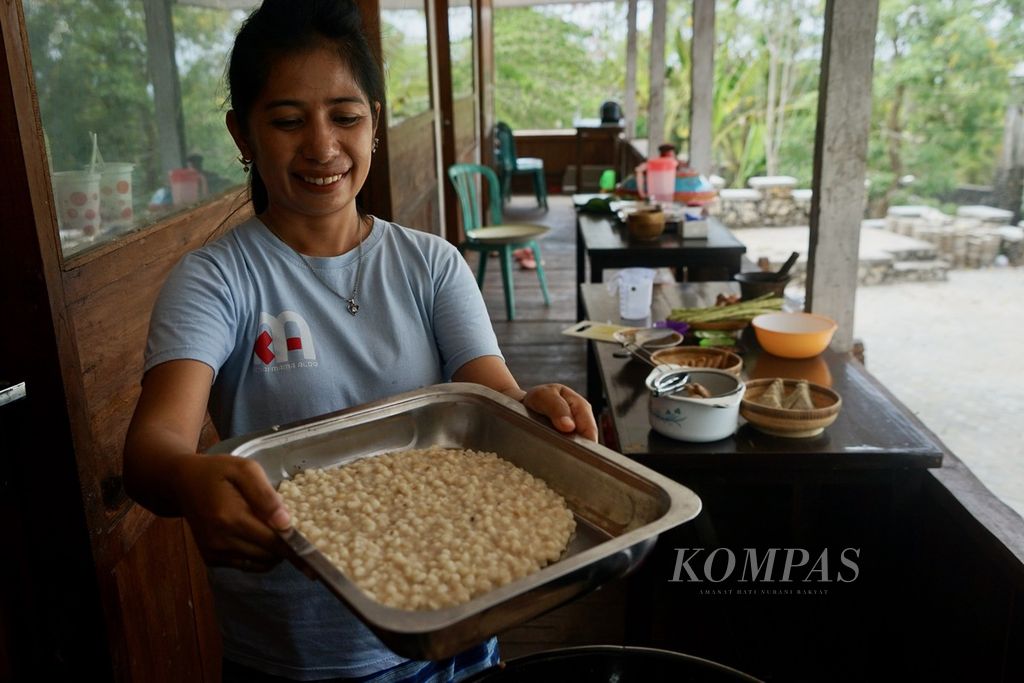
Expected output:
(699, 357)
(789, 422)
(646, 224)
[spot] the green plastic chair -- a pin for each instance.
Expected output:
(494, 236)
(510, 165)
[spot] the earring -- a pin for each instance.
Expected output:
(245, 163)
(376, 141)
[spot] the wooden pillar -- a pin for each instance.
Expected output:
(485, 78)
(702, 84)
(656, 106)
(163, 72)
(376, 193)
(840, 151)
(444, 121)
(629, 106)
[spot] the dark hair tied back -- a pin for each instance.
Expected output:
(285, 27)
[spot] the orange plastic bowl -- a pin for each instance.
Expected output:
(794, 335)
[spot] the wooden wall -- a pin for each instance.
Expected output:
(413, 178)
(560, 150)
(466, 139)
(158, 603)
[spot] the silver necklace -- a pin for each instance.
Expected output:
(351, 304)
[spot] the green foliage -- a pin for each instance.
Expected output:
(941, 87)
(941, 83)
(405, 65)
(90, 65)
(943, 64)
(551, 70)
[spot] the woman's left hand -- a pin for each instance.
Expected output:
(568, 411)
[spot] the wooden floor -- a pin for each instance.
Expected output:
(534, 347)
(537, 352)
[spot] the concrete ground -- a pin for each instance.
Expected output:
(953, 352)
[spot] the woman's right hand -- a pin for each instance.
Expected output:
(233, 511)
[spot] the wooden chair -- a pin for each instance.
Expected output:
(510, 165)
(493, 236)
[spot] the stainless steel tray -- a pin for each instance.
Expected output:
(619, 505)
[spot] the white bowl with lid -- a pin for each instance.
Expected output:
(694, 418)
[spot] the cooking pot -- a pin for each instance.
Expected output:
(607, 663)
(694, 418)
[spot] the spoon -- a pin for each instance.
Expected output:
(784, 270)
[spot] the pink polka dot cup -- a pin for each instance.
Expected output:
(116, 196)
(78, 202)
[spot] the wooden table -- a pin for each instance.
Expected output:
(873, 428)
(853, 489)
(604, 242)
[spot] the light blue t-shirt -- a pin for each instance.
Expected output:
(285, 348)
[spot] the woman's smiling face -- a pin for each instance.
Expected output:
(310, 134)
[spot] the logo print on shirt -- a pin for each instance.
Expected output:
(281, 334)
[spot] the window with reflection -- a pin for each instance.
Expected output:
(403, 26)
(460, 32)
(132, 101)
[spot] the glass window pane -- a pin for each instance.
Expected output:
(132, 110)
(460, 32)
(406, 60)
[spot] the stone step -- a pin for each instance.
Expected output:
(914, 254)
(918, 271)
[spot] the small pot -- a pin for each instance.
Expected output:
(695, 419)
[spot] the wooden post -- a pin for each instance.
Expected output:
(163, 71)
(702, 84)
(485, 79)
(439, 42)
(629, 106)
(656, 107)
(840, 151)
(376, 193)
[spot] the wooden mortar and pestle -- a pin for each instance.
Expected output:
(646, 224)
(757, 283)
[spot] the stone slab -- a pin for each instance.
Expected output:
(988, 214)
(764, 182)
(733, 194)
(909, 211)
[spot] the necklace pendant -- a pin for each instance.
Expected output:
(353, 307)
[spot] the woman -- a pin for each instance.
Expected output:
(308, 308)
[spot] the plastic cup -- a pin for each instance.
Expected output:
(187, 186)
(78, 202)
(636, 290)
(116, 195)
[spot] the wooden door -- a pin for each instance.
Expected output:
(96, 588)
(458, 85)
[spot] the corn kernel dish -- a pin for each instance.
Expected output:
(430, 528)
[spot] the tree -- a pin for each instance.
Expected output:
(550, 70)
(941, 80)
(91, 74)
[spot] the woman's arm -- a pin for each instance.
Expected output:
(567, 410)
(230, 505)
